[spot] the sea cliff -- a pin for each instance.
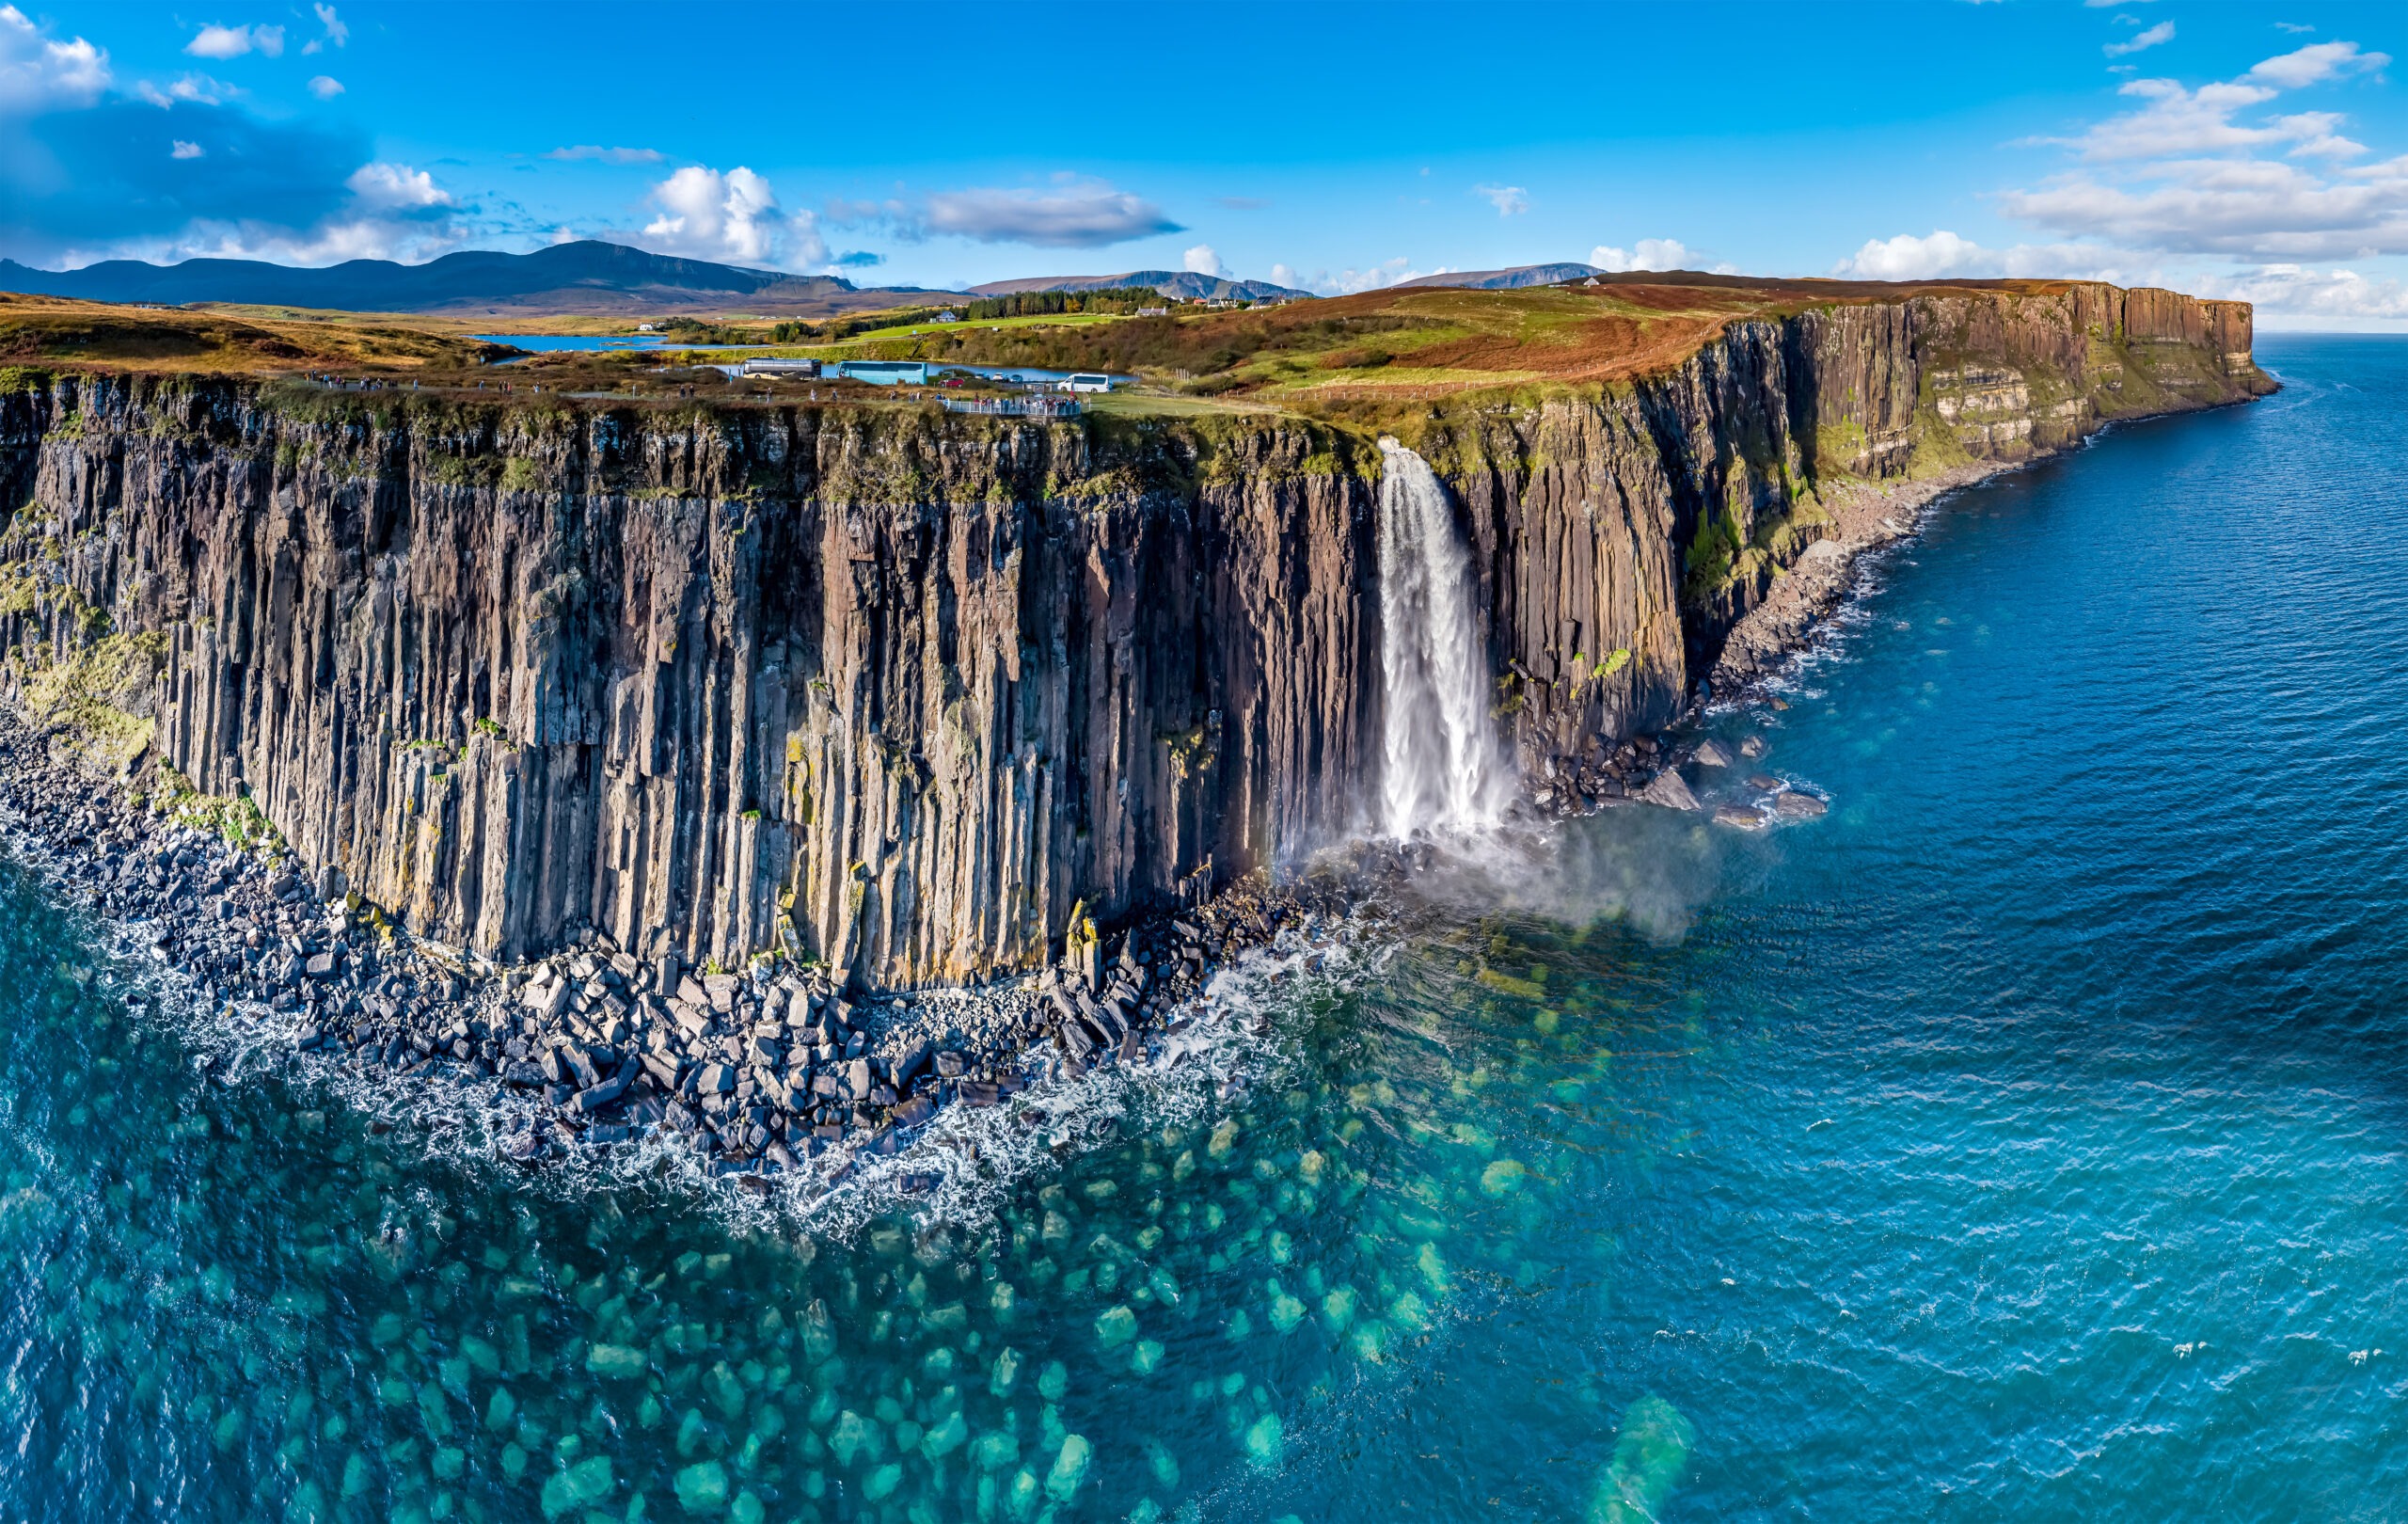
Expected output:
(919, 694)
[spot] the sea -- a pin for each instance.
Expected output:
(2026, 1139)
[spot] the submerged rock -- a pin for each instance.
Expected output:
(1667, 790)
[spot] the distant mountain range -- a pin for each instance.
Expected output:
(583, 277)
(1184, 284)
(590, 276)
(1513, 279)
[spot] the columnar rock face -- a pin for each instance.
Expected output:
(906, 695)
(905, 689)
(1622, 537)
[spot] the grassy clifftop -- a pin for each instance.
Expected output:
(1380, 360)
(55, 331)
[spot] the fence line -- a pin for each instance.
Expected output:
(1015, 406)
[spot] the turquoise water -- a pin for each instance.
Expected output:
(2025, 1140)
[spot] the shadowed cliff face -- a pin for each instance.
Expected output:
(909, 688)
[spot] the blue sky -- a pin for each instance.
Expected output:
(2258, 151)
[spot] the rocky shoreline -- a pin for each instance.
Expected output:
(765, 1071)
(776, 1067)
(1863, 517)
(772, 1069)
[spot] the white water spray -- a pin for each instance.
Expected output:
(1443, 772)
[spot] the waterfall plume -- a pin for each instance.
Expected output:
(1442, 770)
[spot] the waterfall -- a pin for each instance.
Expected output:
(1442, 770)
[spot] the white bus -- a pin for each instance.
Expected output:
(1085, 381)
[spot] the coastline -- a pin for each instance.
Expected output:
(1864, 516)
(771, 1071)
(778, 1068)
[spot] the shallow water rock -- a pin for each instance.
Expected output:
(616, 1362)
(702, 1488)
(1265, 1445)
(1069, 1471)
(1793, 805)
(1667, 790)
(1743, 816)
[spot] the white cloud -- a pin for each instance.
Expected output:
(186, 150)
(1944, 255)
(2293, 27)
(2140, 41)
(221, 42)
(197, 90)
(1203, 260)
(732, 218)
(1080, 215)
(1909, 258)
(1347, 282)
(2316, 63)
(337, 34)
(325, 87)
(2179, 122)
(397, 188)
(328, 243)
(2212, 171)
(2295, 291)
(1650, 254)
(1507, 200)
(2252, 207)
(1075, 213)
(607, 155)
(39, 72)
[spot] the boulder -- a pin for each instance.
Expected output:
(1745, 816)
(1711, 754)
(1753, 747)
(595, 1097)
(1667, 790)
(1797, 806)
(584, 1071)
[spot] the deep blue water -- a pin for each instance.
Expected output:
(2023, 1140)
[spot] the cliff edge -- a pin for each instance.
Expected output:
(912, 693)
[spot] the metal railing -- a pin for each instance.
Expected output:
(1015, 406)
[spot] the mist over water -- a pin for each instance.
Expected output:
(2025, 1139)
(1442, 770)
